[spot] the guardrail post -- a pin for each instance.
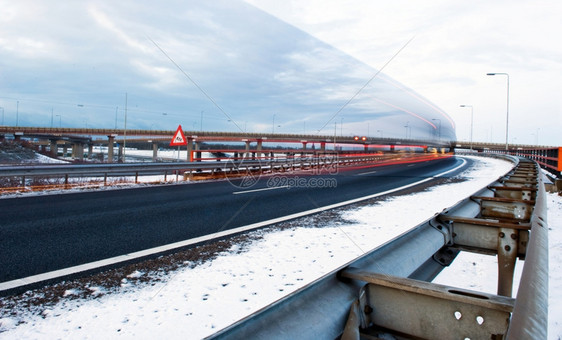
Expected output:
(507, 254)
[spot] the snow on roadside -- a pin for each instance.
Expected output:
(554, 219)
(39, 158)
(201, 300)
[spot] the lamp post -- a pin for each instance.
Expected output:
(202, 120)
(341, 126)
(507, 116)
(1, 108)
(471, 122)
(273, 124)
(408, 129)
(439, 126)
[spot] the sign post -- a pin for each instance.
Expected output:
(179, 140)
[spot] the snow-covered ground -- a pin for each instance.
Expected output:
(197, 300)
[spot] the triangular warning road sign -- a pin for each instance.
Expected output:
(179, 138)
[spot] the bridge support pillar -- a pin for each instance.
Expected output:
(78, 150)
(120, 153)
(53, 147)
(198, 153)
(392, 148)
(323, 146)
(259, 148)
(64, 150)
(189, 149)
(247, 154)
(110, 142)
(366, 147)
(90, 150)
(155, 151)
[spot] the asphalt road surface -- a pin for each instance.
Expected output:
(39, 234)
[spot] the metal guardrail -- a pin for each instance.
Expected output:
(234, 164)
(385, 289)
(104, 169)
(548, 158)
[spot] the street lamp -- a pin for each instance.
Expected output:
(507, 116)
(408, 129)
(341, 126)
(439, 126)
(471, 122)
(1, 108)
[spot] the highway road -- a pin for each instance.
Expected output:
(40, 234)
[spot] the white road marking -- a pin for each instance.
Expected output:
(367, 173)
(256, 190)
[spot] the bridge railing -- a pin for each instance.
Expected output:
(548, 158)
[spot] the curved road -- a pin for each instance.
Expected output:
(40, 234)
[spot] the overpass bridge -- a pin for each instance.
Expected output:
(546, 156)
(80, 137)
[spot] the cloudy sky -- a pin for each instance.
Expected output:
(291, 66)
(455, 44)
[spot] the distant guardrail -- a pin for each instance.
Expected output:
(227, 166)
(548, 157)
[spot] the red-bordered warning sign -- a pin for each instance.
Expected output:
(179, 138)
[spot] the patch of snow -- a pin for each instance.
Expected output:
(7, 324)
(554, 219)
(70, 292)
(135, 275)
(39, 158)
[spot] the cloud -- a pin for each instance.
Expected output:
(250, 63)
